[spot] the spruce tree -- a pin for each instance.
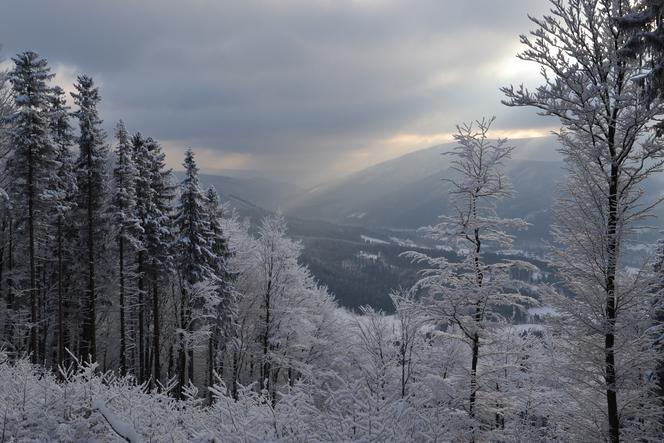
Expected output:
(224, 315)
(646, 42)
(158, 233)
(194, 255)
(6, 110)
(154, 194)
(62, 191)
(31, 163)
(127, 227)
(92, 186)
(143, 195)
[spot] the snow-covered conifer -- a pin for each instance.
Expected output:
(92, 182)
(126, 224)
(224, 316)
(30, 165)
(194, 257)
(62, 193)
(646, 42)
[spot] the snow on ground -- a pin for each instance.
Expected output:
(373, 240)
(100, 408)
(641, 247)
(519, 253)
(528, 327)
(542, 311)
(406, 243)
(366, 256)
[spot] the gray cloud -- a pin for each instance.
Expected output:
(290, 85)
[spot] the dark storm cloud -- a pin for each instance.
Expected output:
(287, 84)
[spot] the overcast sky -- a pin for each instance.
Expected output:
(305, 90)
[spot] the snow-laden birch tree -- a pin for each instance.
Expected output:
(471, 295)
(277, 271)
(609, 151)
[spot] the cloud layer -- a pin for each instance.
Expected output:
(306, 89)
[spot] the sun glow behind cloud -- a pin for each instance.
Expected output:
(299, 90)
(209, 160)
(404, 143)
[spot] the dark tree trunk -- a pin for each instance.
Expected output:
(89, 342)
(235, 376)
(61, 313)
(123, 333)
(9, 327)
(190, 362)
(479, 276)
(609, 337)
(473, 374)
(182, 354)
(44, 309)
(403, 376)
(2, 276)
(155, 317)
(2, 254)
(170, 361)
(31, 258)
(265, 375)
(141, 321)
(210, 369)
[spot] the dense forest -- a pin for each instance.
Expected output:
(137, 306)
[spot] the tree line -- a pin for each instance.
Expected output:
(105, 258)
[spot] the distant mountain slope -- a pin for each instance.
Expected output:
(409, 192)
(251, 196)
(251, 190)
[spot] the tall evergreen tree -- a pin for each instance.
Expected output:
(224, 317)
(92, 184)
(6, 110)
(143, 195)
(646, 42)
(158, 240)
(154, 194)
(63, 190)
(31, 163)
(127, 226)
(194, 255)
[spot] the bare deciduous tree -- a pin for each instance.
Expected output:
(609, 152)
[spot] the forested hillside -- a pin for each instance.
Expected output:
(137, 304)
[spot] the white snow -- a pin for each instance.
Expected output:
(357, 215)
(542, 311)
(373, 240)
(121, 428)
(367, 256)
